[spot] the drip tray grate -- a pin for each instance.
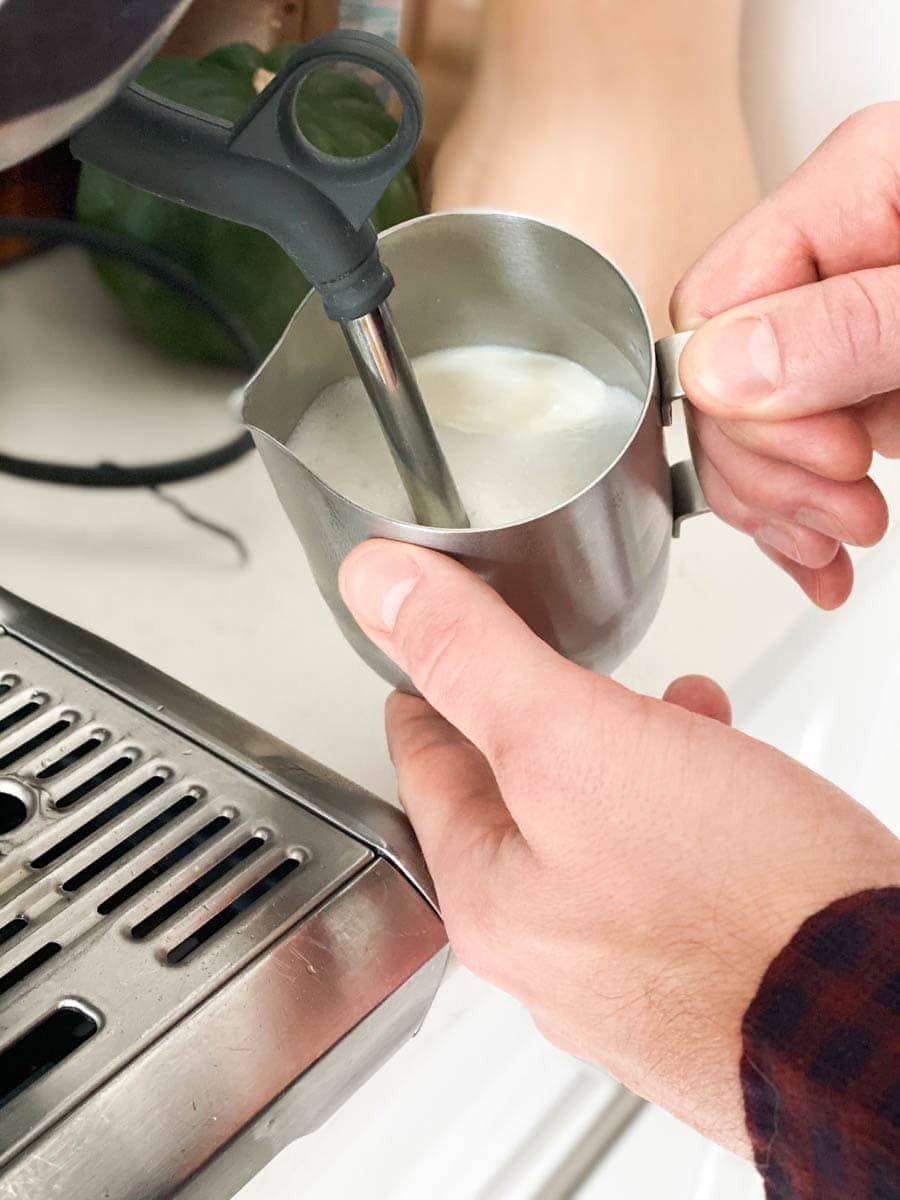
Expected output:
(118, 864)
(175, 912)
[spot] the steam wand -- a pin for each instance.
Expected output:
(262, 172)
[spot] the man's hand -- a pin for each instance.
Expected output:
(628, 868)
(795, 379)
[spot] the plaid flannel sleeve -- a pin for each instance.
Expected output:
(820, 1068)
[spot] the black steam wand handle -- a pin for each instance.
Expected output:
(262, 172)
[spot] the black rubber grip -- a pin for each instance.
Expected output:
(262, 172)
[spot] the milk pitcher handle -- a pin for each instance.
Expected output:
(687, 494)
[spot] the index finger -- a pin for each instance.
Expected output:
(839, 212)
(449, 794)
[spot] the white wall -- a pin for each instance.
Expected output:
(807, 64)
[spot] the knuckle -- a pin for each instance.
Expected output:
(509, 751)
(400, 706)
(471, 928)
(853, 316)
(681, 299)
(869, 140)
(873, 515)
(558, 1035)
(436, 645)
(484, 918)
(764, 483)
(721, 496)
(543, 745)
(877, 122)
(427, 757)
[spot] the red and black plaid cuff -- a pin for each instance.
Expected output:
(820, 1068)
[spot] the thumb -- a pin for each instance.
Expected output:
(472, 658)
(811, 349)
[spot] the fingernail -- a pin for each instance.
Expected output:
(781, 539)
(822, 522)
(374, 585)
(738, 361)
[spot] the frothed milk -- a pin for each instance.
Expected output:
(522, 432)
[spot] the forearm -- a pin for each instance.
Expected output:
(624, 48)
(618, 120)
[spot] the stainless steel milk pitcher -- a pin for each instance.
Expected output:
(588, 574)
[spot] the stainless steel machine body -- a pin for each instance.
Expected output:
(207, 941)
(587, 575)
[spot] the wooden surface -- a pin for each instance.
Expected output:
(43, 186)
(264, 23)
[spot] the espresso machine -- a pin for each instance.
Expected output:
(207, 940)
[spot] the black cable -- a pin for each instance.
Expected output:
(210, 526)
(116, 245)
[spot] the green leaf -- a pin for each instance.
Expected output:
(278, 56)
(240, 56)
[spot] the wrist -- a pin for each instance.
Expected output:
(711, 965)
(627, 45)
(606, 91)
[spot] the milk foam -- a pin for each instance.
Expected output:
(522, 432)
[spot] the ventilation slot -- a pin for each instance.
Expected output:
(135, 839)
(265, 885)
(7, 683)
(11, 928)
(35, 743)
(42, 1048)
(76, 754)
(144, 928)
(166, 863)
(19, 714)
(103, 818)
(26, 966)
(84, 789)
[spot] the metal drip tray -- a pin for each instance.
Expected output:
(206, 940)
